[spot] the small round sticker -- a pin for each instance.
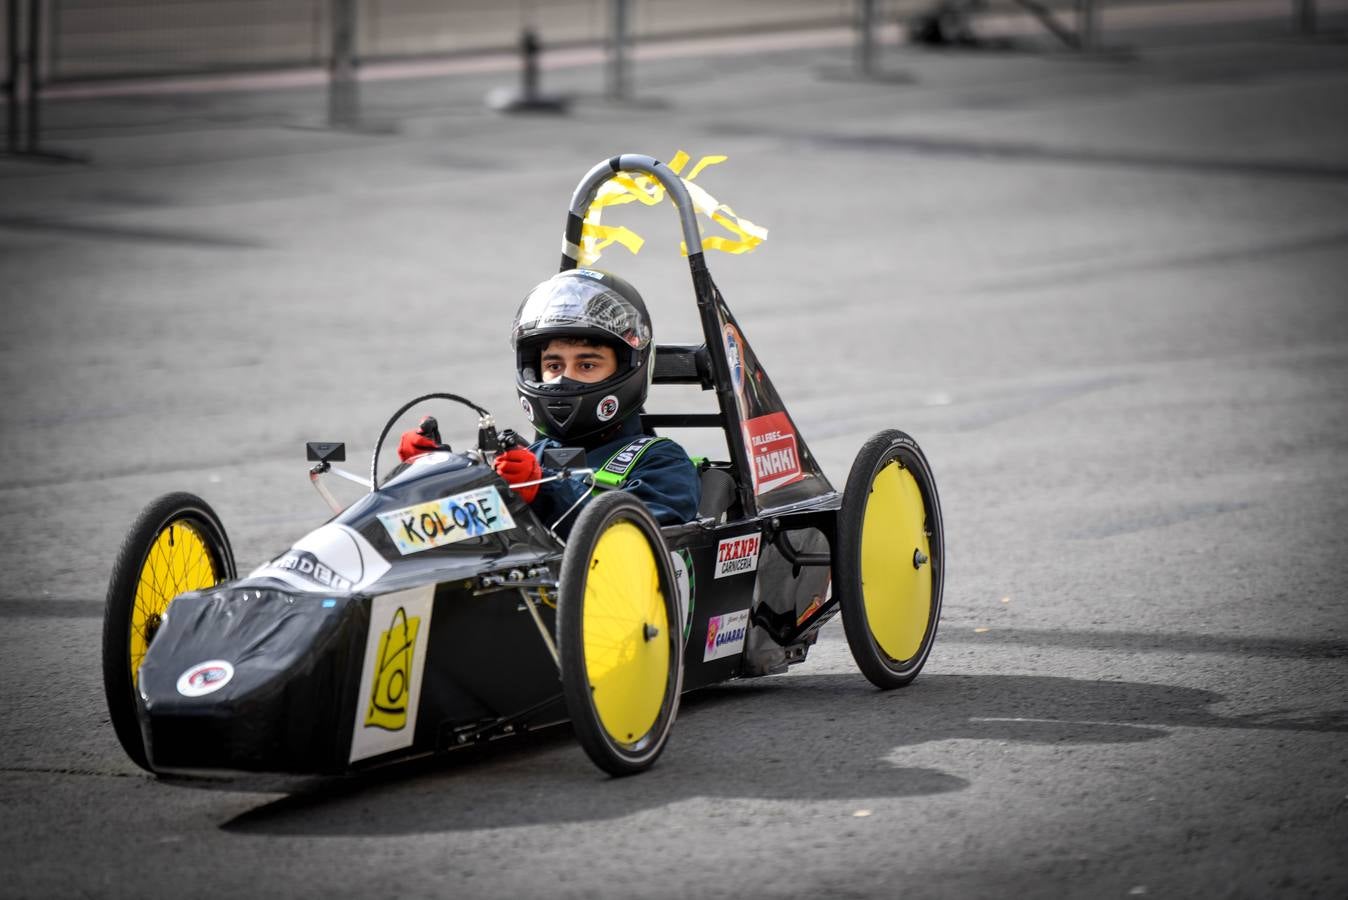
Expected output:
(527, 407)
(203, 678)
(607, 409)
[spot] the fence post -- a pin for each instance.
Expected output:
(865, 37)
(617, 50)
(34, 78)
(1305, 16)
(12, 75)
(1086, 25)
(343, 101)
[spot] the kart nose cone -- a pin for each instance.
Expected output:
(249, 679)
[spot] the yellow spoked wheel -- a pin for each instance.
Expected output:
(175, 546)
(619, 635)
(889, 559)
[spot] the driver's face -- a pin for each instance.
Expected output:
(580, 362)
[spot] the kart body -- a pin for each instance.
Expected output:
(342, 652)
(427, 615)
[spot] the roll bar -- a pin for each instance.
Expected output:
(628, 162)
(708, 299)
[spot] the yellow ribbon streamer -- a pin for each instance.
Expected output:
(595, 237)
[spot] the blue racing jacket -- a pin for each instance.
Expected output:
(662, 477)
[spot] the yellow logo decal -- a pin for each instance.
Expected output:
(623, 188)
(393, 673)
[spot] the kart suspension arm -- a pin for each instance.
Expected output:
(543, 632)
(537, 579)
(796, 557)
(504, 724)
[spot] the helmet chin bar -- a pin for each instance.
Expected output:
(571, 410)
(560, 414)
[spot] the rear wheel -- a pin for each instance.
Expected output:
(889, 559)
(619, 634)
(177, 544)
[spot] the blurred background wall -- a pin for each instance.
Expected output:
(84, 39)
(106, 38)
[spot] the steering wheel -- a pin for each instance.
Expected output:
(379, 444)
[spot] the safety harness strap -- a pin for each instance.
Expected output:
(614, 473)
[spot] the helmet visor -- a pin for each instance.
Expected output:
(580, 304)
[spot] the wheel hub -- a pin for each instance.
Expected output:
(152, 623)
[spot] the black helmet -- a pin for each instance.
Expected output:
(590, 305)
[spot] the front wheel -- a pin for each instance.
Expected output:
(176, 545)
(619, 634)
(889, 559)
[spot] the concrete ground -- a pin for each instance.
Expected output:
(1106, 295)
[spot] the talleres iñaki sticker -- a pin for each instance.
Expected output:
(725, 635)
(737, 555)
(772, 448)
(447, 521)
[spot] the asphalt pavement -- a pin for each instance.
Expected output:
(1106, 295)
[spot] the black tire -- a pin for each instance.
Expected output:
(908, 602)
(651, 672)
(166, 514)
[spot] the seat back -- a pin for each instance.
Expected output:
(718, 493)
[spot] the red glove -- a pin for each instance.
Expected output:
(414, 443)
(517, 465)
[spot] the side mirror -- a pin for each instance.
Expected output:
(564, 457)
(325, 452)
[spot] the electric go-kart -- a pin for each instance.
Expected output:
(438, 610)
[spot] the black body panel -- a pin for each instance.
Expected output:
(286, 650)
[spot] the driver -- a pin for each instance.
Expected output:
(584, 355)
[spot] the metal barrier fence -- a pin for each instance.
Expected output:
(83, 39)
(118, 38)
(53, 41)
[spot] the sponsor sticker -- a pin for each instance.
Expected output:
(607, 409)
(734, 343)
(205, 678)
(390, 678)
(309, 566)
(591, 273)
(773, 452)
(330, 559)
(725, 635)
(737, 555)
(683, 581)
(447, 521)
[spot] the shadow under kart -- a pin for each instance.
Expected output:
(438, 611)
